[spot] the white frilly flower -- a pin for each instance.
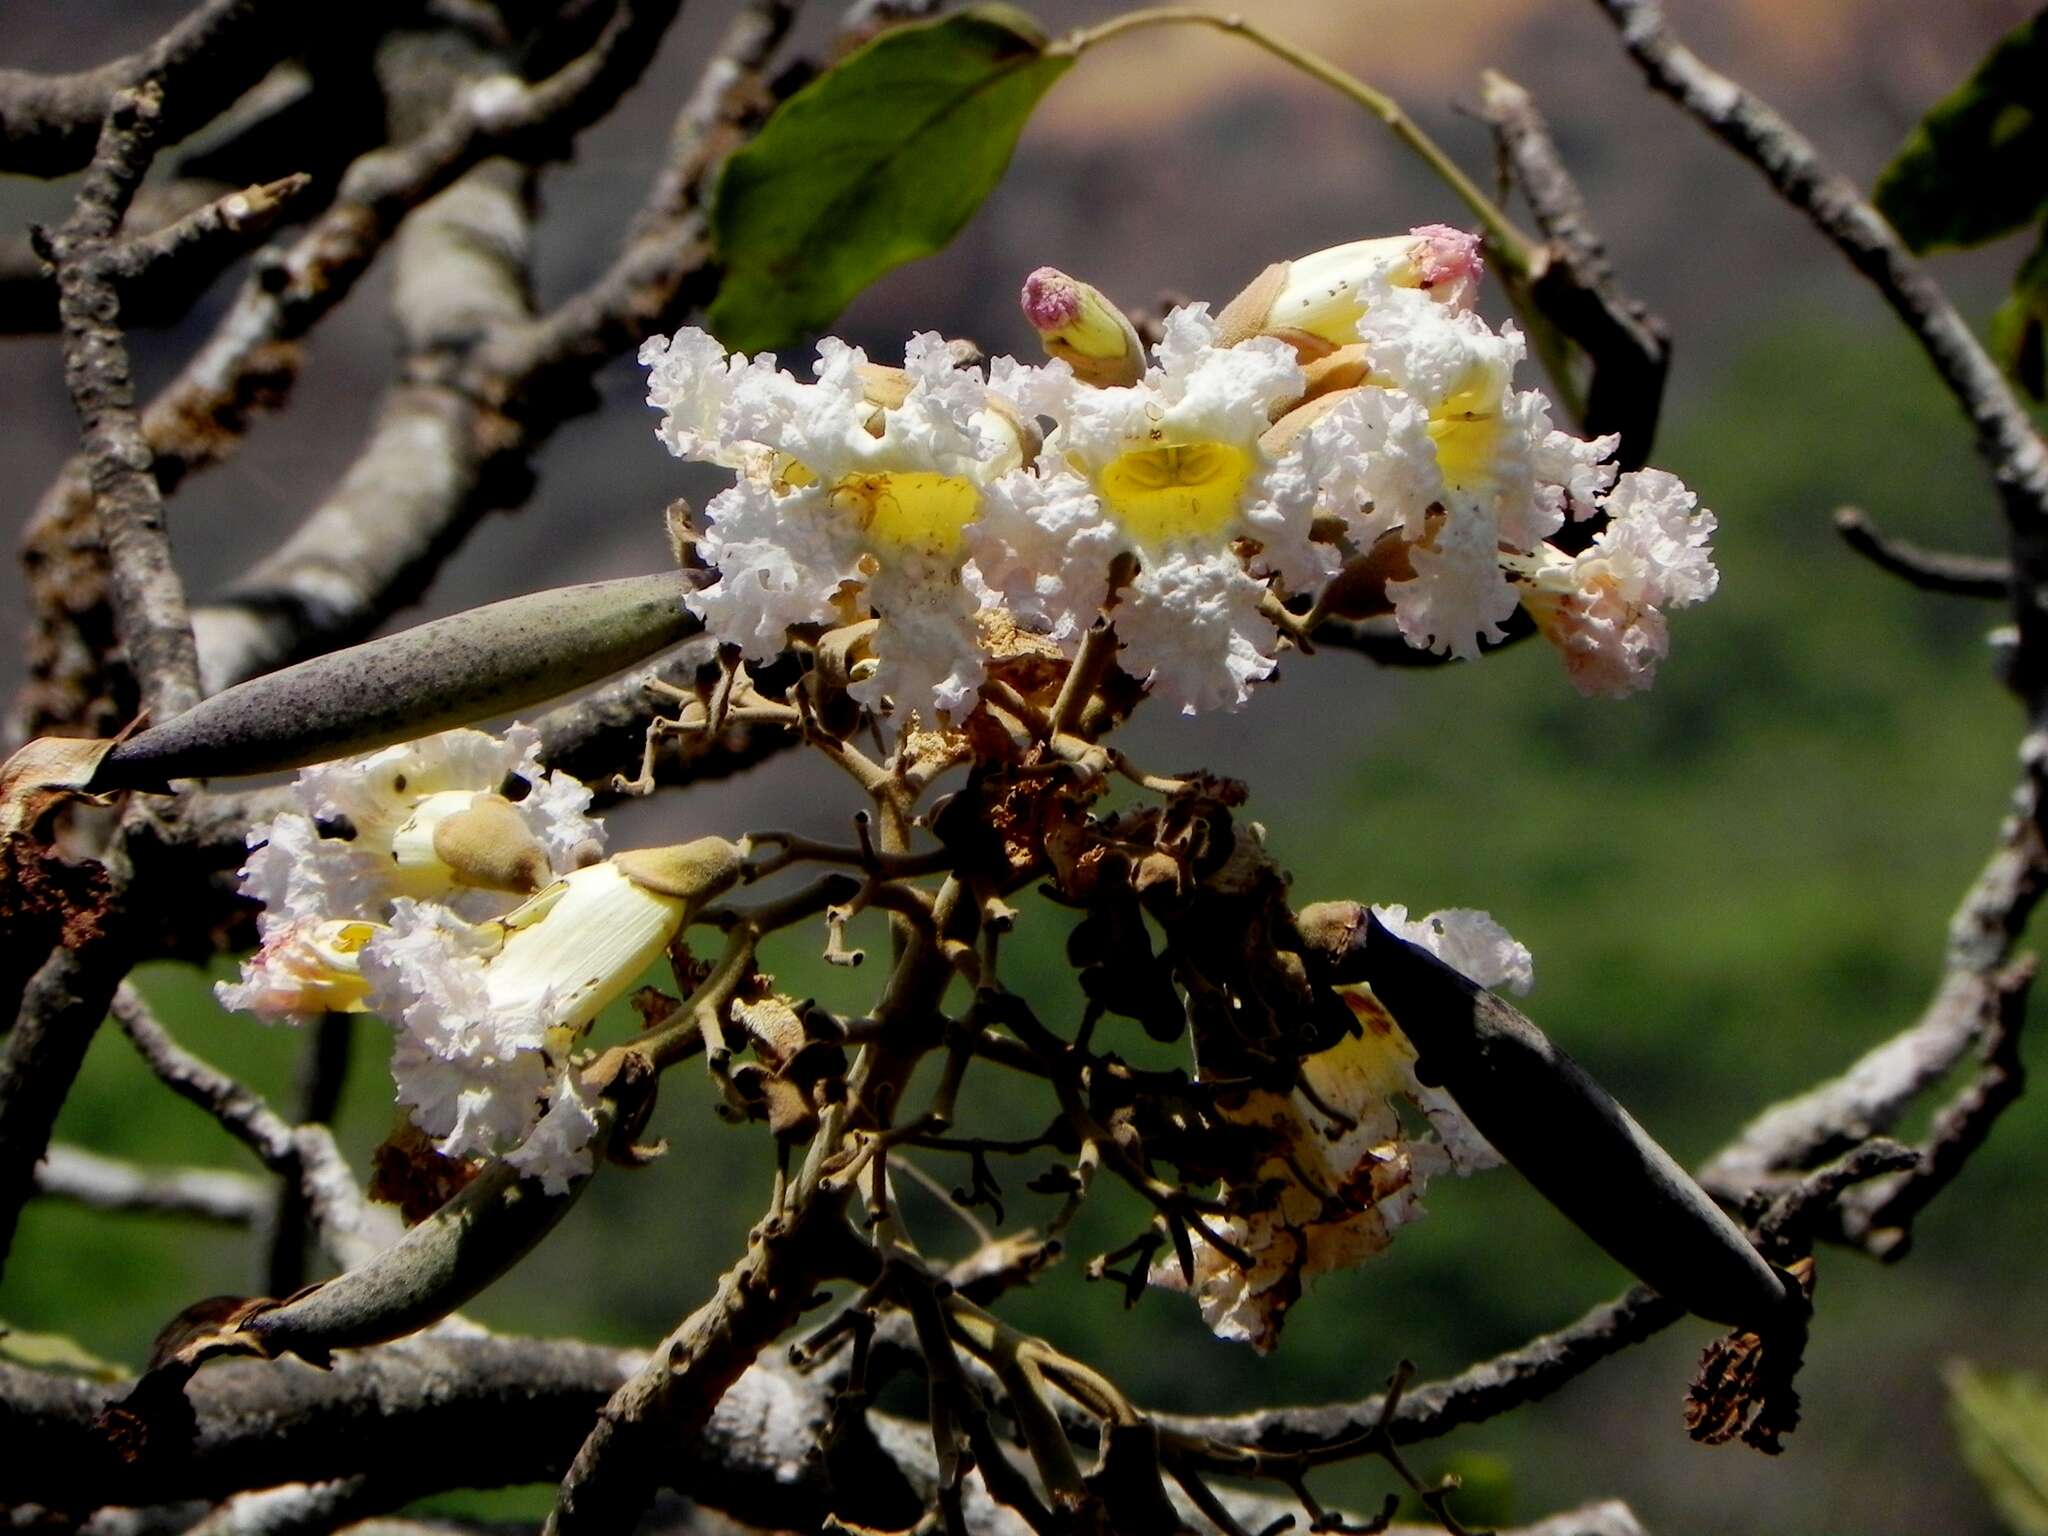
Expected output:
(1496, 474)
(1438, 447)
(1468, 941)
(1195, 616)
(369, 830)
(913, 497)
(1170, 470)
(1337, 1191)
(849, 502)
(486, 1013)
(1604, 607)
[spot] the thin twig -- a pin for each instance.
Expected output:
(148, 598)
(1788, 161)
(48, 123)
(1931, 570)
(1572, 282)
(323, 1072)
(1879, 1215)
(107, 1184)
(350, 1229)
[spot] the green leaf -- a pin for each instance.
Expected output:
(877, 162)
(1977, 166)
(2019, 329)
(55, 1352)
(2001, 1423)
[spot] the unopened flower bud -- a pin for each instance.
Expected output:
(1326, 295)
(1077, 324)
(881, 385)
(482, 841)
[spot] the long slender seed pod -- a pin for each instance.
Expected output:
(466, 667)
(1563, 1132)
(436, 1267)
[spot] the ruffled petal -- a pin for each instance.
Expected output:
(1042, 549)
(1459, 596)
(1191, 627)
(780, 559)
(1470, 942)
(559, 1149)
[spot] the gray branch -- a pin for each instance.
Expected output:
(1931, 570)
(350, 1229)
(108, 1184)
(486, 386)
(1789, 162)
(1967, 1002)
(411, 494)
(48, 123)
(147, 598)
(1573, 282)
(251, 358)
(411, 1409)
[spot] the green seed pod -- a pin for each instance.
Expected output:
(466, 667)
(1567, 1136)
(436, 1267)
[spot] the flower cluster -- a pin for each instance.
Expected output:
(1348, 412)
(1341, 1168)
(487, 931)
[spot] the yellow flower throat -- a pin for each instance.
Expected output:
(1190, 491)
(1466, 431)
(902, 510)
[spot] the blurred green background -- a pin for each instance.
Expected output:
(1732, 885)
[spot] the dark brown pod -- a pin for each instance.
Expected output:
(469, 666)
(1568, 1136)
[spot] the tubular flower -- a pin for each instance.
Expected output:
(486, 1012)
(1172, 471)
(1340, 1169)
(851, 499)
(1603, 608)
(423, 821)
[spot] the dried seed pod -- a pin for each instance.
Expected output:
(1567, 1135)
(436, 1267)
(466, 667)
(441, 1262)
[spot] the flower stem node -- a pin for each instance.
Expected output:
(1078, 325)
